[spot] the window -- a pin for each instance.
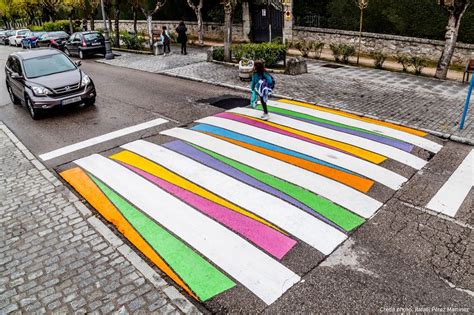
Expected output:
(10, 63)
(16, 67)
(93, 36)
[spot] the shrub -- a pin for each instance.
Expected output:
(132, 41)
(62, 25)
(379, 59)
(336, 51)
(404, 61)
(270, 53)
(347, 51)
(218, 53)
(317, 48)
(418, 64)
(35, 28)
(303, 46)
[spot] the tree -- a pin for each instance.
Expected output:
(197, 8)
(229, 6)
(362, 4)
(71, 6)
(135, 10)
(50, 8)
(456, 10)
(148, 13)
(117, 4)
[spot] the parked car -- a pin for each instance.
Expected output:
(3, 33)
(84, 44)
(5, 40)
(30, 39)
(53, 39)
(46, 78)
(17, 36)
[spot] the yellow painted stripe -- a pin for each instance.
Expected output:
(366, 119)
(78, 179)
(161, 172)
(356, 151)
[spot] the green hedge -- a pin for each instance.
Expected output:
(62, 25)
(270, 53)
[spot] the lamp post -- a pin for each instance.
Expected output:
(108, 49)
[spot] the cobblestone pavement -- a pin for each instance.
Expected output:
(54, 256)
(418, 102)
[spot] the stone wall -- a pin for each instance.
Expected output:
(213, 31)
(388, 44)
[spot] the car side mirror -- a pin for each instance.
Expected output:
(16, 76)
(78, 63)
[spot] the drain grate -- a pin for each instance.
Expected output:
(332, 66)
(226, 101)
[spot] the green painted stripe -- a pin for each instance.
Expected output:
(203, 278)
(340, 216)
(320, 120)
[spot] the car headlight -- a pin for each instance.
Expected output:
(40, 91)
(85, 80)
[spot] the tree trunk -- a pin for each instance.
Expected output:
(149, 26)
(200, 27)
(117, 23)
(71, 28)
(135, 29)
(227, 33)
(452, 31)
(92, 22)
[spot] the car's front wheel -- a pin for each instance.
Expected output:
(34, 113)
(15, 100)
(90, 102)
(81, 54)
(67, 52)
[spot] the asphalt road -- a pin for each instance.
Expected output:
(404, 259)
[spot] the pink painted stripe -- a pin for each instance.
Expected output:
(258, 124)
(268, 239)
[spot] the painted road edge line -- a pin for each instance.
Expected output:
(451, 196)
(103, 138)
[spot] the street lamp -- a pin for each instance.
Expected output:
(108, 49)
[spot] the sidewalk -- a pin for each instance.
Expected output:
(55, 256)
(419, 102)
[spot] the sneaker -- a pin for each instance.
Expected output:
(265, 117)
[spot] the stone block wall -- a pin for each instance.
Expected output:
(388, 44)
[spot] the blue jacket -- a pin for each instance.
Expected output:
(162, 38)
(256, 78)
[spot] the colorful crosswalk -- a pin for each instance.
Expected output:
(228, 199)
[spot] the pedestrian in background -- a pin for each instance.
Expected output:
(182, 37)
(261, 86)
(166, 40)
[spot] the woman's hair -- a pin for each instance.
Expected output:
(259, 67)
(164, 27)
(181, 23)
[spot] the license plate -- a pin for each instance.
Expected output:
(72, 100)
(95, 44)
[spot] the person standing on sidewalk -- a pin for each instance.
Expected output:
(166, 40)
(182, 37)
(261, 86)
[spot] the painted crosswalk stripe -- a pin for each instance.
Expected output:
(343, 195)
(385, 150)
(451, 196)
(103, 138)
(261, 274)
(307, 228)
(383, 130)
(367, 169)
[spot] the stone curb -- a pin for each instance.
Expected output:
(158, 282)
(447, 136)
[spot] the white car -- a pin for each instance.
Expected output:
(18, 35)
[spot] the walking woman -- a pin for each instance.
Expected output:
(182, 37)
(166, 40)
(261, 86)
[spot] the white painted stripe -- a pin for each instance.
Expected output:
(451, 196)
(260, 273)
(347, 161)
(339, 193)
(103, 138)
(304, 226)
(380, 148)
(383, 130)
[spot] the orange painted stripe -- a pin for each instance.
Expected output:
(78, 179)
(354, 181)
(366, 119)
(348, 148)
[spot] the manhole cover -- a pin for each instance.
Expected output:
(332, 66)
(227, 101)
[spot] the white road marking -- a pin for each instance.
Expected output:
(339, 193)
(307, 228)
(349, 162)
(451, 196)
(103, 138)
(261, 274)
(383, 130)
(380, 148)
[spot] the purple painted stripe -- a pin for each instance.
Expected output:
(261, 125)
(201, 157)
(391, 142)
(270, 240)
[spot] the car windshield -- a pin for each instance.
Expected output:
(47, 65)
(58, 34)
(93, 36)
(23, 32)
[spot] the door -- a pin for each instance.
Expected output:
(267, 23)
(16, 84)
(73, 43)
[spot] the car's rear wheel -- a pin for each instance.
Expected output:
(81, 54)
(22, 46)
(15, 100)
(34, 113)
